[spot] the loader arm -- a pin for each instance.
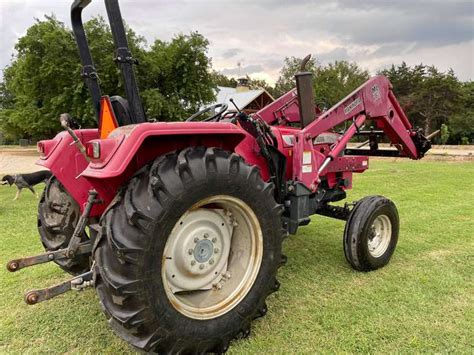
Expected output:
(312, 159)
(375, 101)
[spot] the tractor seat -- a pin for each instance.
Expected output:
(121, 110)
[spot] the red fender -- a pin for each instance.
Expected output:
(129, 148)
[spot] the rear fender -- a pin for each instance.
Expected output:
(129, 148)
(64, 160)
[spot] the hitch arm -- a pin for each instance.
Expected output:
(77, 283)
(74, 248)
(18, 264)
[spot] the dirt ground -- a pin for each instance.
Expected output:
(22, 160)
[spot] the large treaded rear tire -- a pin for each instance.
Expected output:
(134, 231)
(58, 214)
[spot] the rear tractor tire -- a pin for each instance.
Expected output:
(371, 233)
(189, 253)
(58, 214)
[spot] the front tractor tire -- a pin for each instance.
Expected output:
(189, 252)
(371, 233)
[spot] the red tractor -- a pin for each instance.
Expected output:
(179, 226)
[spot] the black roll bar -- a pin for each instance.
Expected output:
(88, 70)
(123, 56)
(125, 60)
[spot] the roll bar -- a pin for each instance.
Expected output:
(123, 57)
(88, 70)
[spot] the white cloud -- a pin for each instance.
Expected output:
(260, 34)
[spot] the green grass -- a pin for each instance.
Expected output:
(423, 301)
(13, 146)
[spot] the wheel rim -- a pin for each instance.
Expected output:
(212, 257)
(380, 235)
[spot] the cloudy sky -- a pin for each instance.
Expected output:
(258, 34)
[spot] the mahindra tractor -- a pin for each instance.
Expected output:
(179, 225)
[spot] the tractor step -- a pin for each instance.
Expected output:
(17, 264)
(77, 283)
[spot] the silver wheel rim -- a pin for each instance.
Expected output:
(212, 257)
(380, 235)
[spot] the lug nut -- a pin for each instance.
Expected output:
(206, 235)
(211, 261)
(201, 266)
(193, 262)
(216, 250)
(196, 240)
(214, 240)
(190, 252)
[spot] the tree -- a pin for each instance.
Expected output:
(444, 135)
(336, 80)
(331, 82)
(43, 79)
(220, 79)
(461, 123)
(179, 78)
(261, 84)
(39, 80)
(291, 65)
(428, 96)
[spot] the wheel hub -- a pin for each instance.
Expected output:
(381, 233)
(197, 257)
(212, 257)
(203, 250)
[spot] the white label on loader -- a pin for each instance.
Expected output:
(352, 105)
(307, 168)
(307, 157)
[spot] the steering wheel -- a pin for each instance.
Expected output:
(216, 116)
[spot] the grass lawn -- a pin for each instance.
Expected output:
(423, 301)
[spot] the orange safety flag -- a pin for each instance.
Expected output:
(107, 120)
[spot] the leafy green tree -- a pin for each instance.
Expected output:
(43, 79)
(291, 65)
(331, 82)
(178, 79)
(428, 96)
(461, 123)
(444, 134)
(336, 80)
(220, 79)
(40, 80)
(261, 84)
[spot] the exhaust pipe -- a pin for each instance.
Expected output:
(304, 88)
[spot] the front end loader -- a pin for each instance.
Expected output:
(179, 226)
